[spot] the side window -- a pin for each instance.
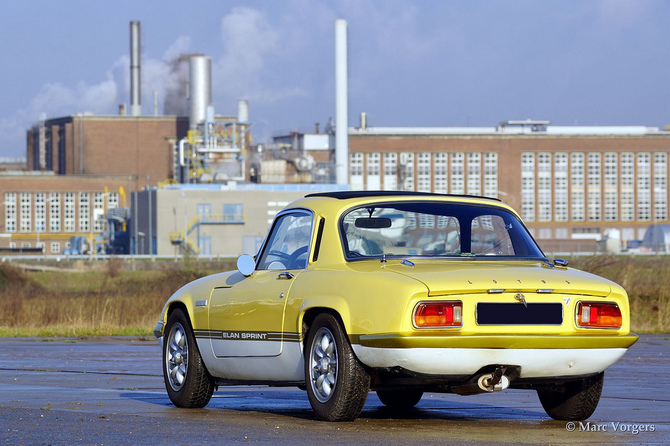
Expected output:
(288, 244)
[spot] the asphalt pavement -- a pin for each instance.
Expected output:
(110, 391)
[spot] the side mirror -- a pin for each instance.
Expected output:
(561, 263)
(246, 264)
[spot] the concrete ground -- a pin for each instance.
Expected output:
(110, 391)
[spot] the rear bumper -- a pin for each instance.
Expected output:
(497, 341)
(537, 356)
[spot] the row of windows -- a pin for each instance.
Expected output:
(626, 234)
(603, 186)
(456, 173)
(54, 247)
(38, 212)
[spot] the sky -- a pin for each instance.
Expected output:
(411, 63)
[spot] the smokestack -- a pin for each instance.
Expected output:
(135, 76)
(242, 111)
(364, 121)
(200, 89)
(341, 104)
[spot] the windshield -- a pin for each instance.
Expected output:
(429, 229)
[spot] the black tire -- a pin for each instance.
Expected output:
(188, 383)
(337, 383)
(400, 399)
(575, 401)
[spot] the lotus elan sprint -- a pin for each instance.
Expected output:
(399, 293)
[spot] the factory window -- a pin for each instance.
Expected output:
(407, 171)
(474, 173)
(544, 187)
(40, 212)
(98, 211)
(204, 211)
(12, 245)
(10, 212)
(491, 175)
(627, 187)
(390, 171)
(373, 180)
(561, 187)
(577, 184)
(562, 233)
(40, 245)
(233, 212)
(423, 180)
(25, 244)
(112, 200)
(26, 208)
(55, 248)
(660, 186)
(644, 186)
(205, 245)
(594, 200)
(611, 187)
(544, 233)
(440, 173)
(54, 212)
(528, 186)
(69, 221)
(457, 173)
(84, 212)
(356, 169)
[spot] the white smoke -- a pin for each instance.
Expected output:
(248, 39)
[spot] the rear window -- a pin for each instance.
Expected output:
(428, 229)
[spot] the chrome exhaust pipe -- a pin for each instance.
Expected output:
(493, 382)
(486, 383)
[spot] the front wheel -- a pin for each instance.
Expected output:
(337, 383)
(187, 381)
(575, 400)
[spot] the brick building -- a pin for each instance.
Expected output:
(572, 185)
(77, 167)
(139, 146)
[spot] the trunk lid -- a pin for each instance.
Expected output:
(451, 277)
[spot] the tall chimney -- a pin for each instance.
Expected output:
(135, 77)
(243, 111)
(341, 104)
(199, 89)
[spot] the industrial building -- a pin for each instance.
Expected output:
(211, 219)
(81, 168)
(195, 185)
(572, 184)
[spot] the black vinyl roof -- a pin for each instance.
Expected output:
(344, 195)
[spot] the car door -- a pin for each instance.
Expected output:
(246, 318)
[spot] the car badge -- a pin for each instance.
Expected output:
(521, 298)
(566, 301)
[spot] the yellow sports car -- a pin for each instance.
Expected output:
(401, 293)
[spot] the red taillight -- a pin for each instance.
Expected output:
(598, 315)
(438, 314)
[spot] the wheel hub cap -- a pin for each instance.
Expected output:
(176, 357)
(323, 365)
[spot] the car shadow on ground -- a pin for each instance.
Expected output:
(296, 405)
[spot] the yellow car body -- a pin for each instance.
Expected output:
(254, 327)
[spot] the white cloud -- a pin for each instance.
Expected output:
(248, 40)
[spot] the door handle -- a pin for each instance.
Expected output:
(285, 276)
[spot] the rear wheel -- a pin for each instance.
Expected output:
(400, 399)
(337, 383)
(187, 381)
(575, 400)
